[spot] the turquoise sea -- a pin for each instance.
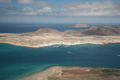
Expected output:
(17, 62)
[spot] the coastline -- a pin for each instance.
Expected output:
(50, 39)
(62, 43)
(41, 75)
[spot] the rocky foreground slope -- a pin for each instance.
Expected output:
(47, 37)
(76, 73)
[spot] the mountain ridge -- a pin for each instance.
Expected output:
(93, 30)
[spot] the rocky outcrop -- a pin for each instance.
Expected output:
(118, 27)
(72, 32)
(102, 30)
(80, 25)
(96, 30)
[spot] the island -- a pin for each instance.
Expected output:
(48, 37)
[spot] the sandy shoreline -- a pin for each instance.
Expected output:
(52, 44)
(42, 75)
(62, 43)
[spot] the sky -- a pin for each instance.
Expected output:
(60, 11)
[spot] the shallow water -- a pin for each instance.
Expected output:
(17, 61)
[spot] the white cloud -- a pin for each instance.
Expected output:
(91, 9)
(27, 9)
(94, 8)
(30, 13)
(44, 10)
(5, 1)
(43, 3)
(25, 1)
(33, 11)
(40, 3)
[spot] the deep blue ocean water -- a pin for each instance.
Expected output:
(23, 28)
(17, 62)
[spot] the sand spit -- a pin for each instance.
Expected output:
(42, 75)
(76, 73)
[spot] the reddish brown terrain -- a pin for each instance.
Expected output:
(80, 25)
(76, 73)
(46, 30)
(102, 30)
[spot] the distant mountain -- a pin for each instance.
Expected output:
(93, 30)
(46, 30)
(72, 32)
(96, 30)
(118, 27)
(80, 25)
(102, 30)
(41, 32)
